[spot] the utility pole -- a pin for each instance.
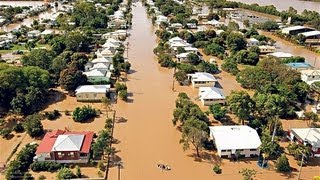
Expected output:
(301, 166)
(174, 72)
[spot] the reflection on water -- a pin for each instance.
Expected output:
(285, 4)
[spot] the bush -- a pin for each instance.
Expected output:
(217, 169)
(84, 113)
(5, 133)
(120, 86)
(18, 128)
(24, 158)
(282, 164)
(42, 177)
(28, 176)
(101, 166)
(108, 123)
(123, 94)
(45, 166)
(33, 125)
(52, 115)
(65, 173)
(78, 171)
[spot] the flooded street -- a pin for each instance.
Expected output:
(22, 3)
(296, 50)
(285, 4)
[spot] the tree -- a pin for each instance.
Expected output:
(247, 174)
(282, 164)
(246, 23)
(230, 66)
(38, 57)
(269, 25)
(236, 42)
(30, 45)
(123, 94)
(33, 125)
(28, 176)
(65, 173)
(217, 111)
(208, 67)
(269, 147)
(72, 77)
(181, 77)
(194, 132)
(233, 26)
(297, 150)
(241, 104)
(84, 113)
(5, 133)
(193, 58)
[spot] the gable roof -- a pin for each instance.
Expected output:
(202, 76)
(211, 93)
(69, 142)
(93, 73)
(281, 54)
(235, 137)
(92, 89)
(311, 135)
(50, 139)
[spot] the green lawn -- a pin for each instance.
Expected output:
(21, 47)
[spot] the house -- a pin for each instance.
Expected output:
(34, 34)
(202, 16)
(117, 23)
(235, 141)
(307, 136)
(20, 16)
(176, 25)
(65, 147)
(96, 77)
(300, 66)
(310, 76)
(214, 23)
(161, 18)
(176, 42)
(252, 42)
(103, 68)
(201, 28)
(265, 49)
(312, 37)
(294, 30)
(281, 55)
(202, 79)
(92, 92)
(191, 49)
(211, 95)
(47, 32)
(191, 25)
(219, 31)
(119, 34)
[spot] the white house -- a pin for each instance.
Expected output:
(161, 18)
(176, 39)
(92, 92)
(202, 79)
(307, 136)
(191, 25)
(264, 49)
(100, 67)
(33, 34)
(214, 23)
(310, 76)
(211, 95)
(235, 140)
(252, 42)
(281, 55)
(191, 49)
(182, 57)
(176, 25)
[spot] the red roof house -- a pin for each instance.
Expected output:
(65, 147)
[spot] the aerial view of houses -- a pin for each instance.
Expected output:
(159, 89)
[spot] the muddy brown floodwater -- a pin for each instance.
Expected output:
(146, 136)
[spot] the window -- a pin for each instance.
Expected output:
(72, 154)
(223, 150)
(240, 150)
(253, 149)
(59, 154)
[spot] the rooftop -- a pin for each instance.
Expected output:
(299, 65)
(60, 140)
(312, 135)
(311, 33)
(202, 76)
(211, 93)
(293, 28)
(281, 54)
(235, 137)
(92, 89)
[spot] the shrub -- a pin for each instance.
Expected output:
(78, 171)
(28, 176)
(84, 113)
(45, 166)
(123, 94)
(24, 158)
(67, 113)
(18, 128)
(42, 177)
(33, 125)
(101, 166)
(5, 133)
(217, 169)
(120, 86)
(282, 164)
(65, 173)
(52, 115)
(108, 123)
